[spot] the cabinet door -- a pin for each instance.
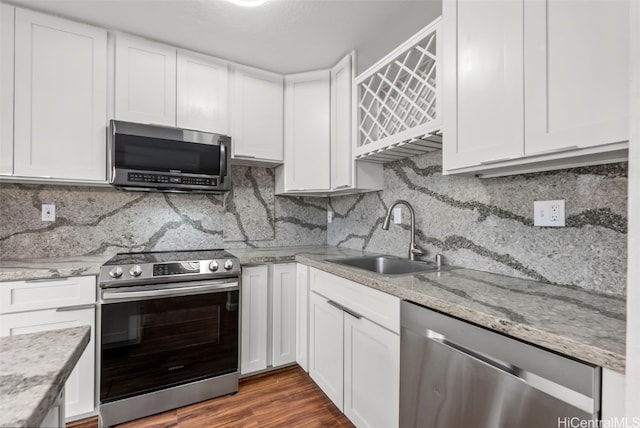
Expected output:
(60, 98)
(47, 293)
(307, 136)
(371, 374)
(302, 317)
(326, 347)
(79, 389)
(283, 322)
(7, 14)
(341, 111)
(576, 56)
(145, 81)
(202, 93)
(258, 104)
(254, 306)
(483, 82)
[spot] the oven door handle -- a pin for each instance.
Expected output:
(170, 292)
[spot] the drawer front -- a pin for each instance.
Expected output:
(20, 296)
(377, 306)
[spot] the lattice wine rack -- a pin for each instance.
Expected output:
(398, 110)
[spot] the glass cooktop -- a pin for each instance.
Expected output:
(168, 256)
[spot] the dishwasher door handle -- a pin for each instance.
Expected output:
(522, 377)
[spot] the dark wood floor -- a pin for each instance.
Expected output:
(286, 398)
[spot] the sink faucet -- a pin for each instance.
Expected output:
(414, 250)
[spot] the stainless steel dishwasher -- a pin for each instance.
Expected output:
(456, 374)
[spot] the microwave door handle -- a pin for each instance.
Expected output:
(223, 162)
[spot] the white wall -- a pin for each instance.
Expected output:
(633, 270)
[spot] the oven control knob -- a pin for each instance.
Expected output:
(116, 272)
(228, 265)
(135, 271)
(213, 266)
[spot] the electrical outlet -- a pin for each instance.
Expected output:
(329, 216)
(397, 215)
(48, 212)
(549, 213)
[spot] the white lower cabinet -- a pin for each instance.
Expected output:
(371, 373)
(283, 314)
(326, 348)
(613, 395)
(49, 311)
(353, 359)
(302, 316)
(268, 305)
(55, 416)
(254, 305)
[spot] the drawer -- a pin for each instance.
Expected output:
(377, 306)
(20, 296)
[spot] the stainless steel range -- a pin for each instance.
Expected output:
(168, 325)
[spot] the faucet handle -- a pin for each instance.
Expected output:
(438, 260)
(417, 251)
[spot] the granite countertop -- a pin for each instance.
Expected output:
(33, 370)
(17, 270)
(582, 324)
(575, 322)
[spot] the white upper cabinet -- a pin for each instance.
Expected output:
(307, 133)
(341, 97)
(577, 76)
(202, 93)
(485, 121)
(60, 98)
(145, 87)
(7, 20)
(534, 85)
(257, 113)
(318, 139)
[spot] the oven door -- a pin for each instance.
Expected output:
(159, 336)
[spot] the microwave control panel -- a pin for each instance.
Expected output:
(136, 177)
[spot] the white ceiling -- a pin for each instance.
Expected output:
(284, 36)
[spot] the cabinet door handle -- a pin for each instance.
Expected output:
(341, 186)
(342, 308)
(548, 152)
(54, 278)
(238, 155)
(500, 160)
(76, 307)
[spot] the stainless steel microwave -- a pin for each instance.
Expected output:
(161, 158)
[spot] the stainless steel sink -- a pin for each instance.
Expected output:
(387, 265)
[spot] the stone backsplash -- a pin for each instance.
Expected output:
(484, 224)
(487, 224)
(103, 221)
